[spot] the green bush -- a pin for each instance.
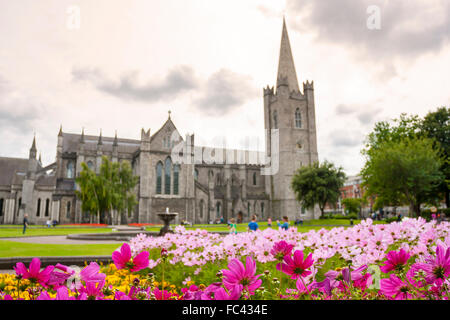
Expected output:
(391, 219)
(339, 216)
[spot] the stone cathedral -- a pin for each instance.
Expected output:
(199, 192)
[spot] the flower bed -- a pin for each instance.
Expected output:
(85, 224)
(142, 224)
(402, 260)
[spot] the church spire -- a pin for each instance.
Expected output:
(116, 142)
(286, 69)
(100, 138)
(33, 149)
(82, 136)
(33, 145)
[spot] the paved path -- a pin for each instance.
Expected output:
(59, 240)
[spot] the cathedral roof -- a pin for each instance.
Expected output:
(10, 167)
(71, 143)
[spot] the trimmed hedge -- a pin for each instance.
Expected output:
(339, 216)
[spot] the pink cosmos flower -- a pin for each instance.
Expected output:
(122, 259)
(91, 273)
(221, 294)
(395, 288)
(44, 296)
(395, 260)
(34, 273)
(301, 286)
(5, 297)
(342, 278)
(63, 294)
(57, 278)
(119, 295)
(435, 267)
(93, 289)
(281, 249)
(296, 267)
(240, 276)
(324, 286)
(167, 295)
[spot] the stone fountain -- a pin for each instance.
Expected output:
(166, 217)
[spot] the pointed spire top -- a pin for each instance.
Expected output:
(286, 68)
(82, 135)
(169, 112)
(116, 142)
(33, 146)
(60, 131)
(100, 138)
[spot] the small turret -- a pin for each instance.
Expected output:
(115, 152)
(116, 142)
(82, 136)
(145, 140)
(100, 141)
(33, 149)
(268, 91)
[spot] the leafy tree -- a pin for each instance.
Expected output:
(318, 184)
(90, 192)
(407, 167)
(353, 205)
(110, 192)
(436, 125)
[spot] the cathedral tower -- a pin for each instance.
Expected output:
(292, 112)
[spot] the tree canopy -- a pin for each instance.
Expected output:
(408, 169)
(318, 184)
(432, 135)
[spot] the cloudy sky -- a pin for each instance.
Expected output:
(124, 64)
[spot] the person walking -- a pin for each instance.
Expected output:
(253, 226)
(285, 224)
(25, 223)
(269, 222)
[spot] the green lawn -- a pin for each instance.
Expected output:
(17, 232)
(19, 249)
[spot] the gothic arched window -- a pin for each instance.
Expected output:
(68, 215)
(195, 174)
(218, 210)
(19, 205)
(298, 118)
(275, 120)
(47, 207)
(176, 174)
(38, 209)
(201, 209)
(90, 165)
(167, 174)
(70, 170)
(254, 178)
(159, 169)
(262, 209)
